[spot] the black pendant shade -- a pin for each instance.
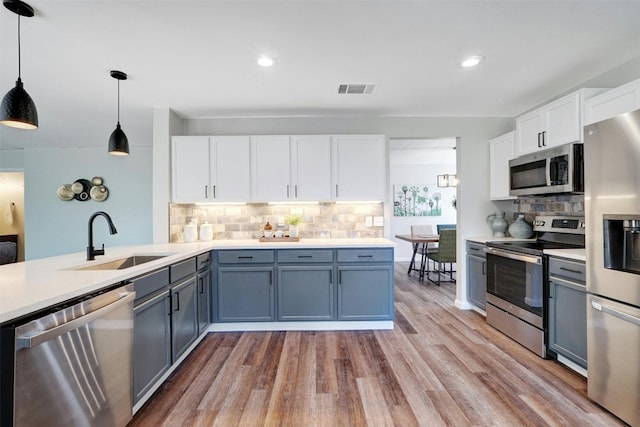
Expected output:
(118, 142)
(18, 109)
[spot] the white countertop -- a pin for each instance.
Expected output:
(29, 286)
(576, 254)
(485, 239)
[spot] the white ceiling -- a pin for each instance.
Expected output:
(199, 58)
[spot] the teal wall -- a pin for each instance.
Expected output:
(55, 227)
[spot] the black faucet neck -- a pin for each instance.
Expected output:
(91, 251)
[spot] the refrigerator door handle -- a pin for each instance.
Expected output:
(616, 313)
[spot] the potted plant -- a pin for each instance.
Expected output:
(293, 221)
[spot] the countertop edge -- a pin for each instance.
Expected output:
(57, 279)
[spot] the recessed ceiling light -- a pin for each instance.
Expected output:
(472, 61)
(265, 61)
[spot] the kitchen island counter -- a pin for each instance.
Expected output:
(27, 287)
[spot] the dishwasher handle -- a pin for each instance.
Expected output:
(29, 341)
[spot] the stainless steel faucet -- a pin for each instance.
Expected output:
(91, 252)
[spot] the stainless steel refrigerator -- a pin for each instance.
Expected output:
(612, 213)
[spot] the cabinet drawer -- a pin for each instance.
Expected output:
(150, 283)
(182, 269)
(203, 261)
(245, 257)
(365, 255)
(570, 270)
(305, 256)
(476, 249)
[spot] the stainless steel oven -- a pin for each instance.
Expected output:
(515, 296)
(517, 287)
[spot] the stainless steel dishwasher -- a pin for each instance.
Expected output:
(73, 365)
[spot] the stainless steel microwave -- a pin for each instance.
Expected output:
(555, 170)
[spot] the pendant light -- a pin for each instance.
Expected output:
(18, 109)
(118, 142)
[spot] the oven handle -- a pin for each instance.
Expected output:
(531, 259)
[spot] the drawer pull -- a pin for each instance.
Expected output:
(570, 270)
(245, 257)
(365, 256)
(305, 256)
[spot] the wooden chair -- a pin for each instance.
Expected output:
(446, 254)
(423, 248)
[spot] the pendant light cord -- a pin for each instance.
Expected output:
(118, 101)
(19, 61)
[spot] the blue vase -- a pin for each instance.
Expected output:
(520, 229)
(498, 224)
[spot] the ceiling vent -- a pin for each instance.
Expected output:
(356, 89)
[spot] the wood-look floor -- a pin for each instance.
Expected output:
(439, 366)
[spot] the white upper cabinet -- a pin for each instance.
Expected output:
(270, 163)
(556, 123)
(359, 167)
(230, 169)
(311, 167)
(190, 168)
(210, 169)
(613, 102)
(501, 150)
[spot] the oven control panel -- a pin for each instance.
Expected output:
(559, 224)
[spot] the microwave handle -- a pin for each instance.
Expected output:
(548, 171)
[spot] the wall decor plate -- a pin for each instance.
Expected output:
(99, 193)
(81, 193)
(65, 192)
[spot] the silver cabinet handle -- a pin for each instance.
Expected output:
(206, 191)
(570, 270)
(29, 341)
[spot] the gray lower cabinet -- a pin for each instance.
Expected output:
(365, 284)
(245, 286)
(152, 331)
(306, 285)
(184, 316)
(477, 274)
(568, 309)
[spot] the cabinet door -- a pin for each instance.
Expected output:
(245, 294)
(306, 293)
(184, 316)
(230, 169)
(311, 167)
(616, 101)
(501, 150)
(477, 281)
(529, 129)
(190, 168)
(204, 300)
(562, 121)
(360, 167)
(365, 292)
(271, 178)
(151, 343)
(568, 320)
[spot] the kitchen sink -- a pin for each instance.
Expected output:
(123, 263)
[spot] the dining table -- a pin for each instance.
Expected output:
(416, 240)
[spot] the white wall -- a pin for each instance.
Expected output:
(472, 155)
(54, 227)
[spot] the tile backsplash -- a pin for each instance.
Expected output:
(324, 220)
(562, 204)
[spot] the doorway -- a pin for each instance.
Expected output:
(12, 207)
(414, 167)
